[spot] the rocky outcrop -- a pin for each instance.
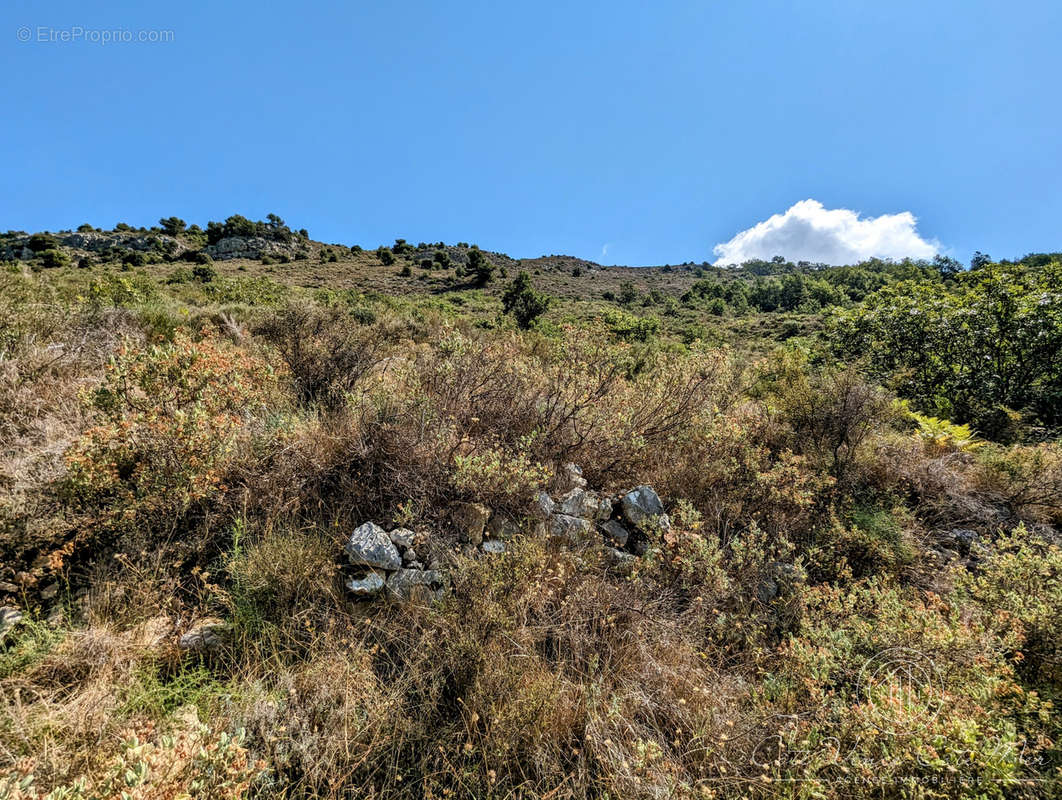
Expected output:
(249, 247)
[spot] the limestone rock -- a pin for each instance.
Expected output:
(640, 504)
(371, 585)
(415, 584)
(493, 547)
(402, 538)
(572, 529)
(9, 618)
(503, 527)
(616, 534)
(543, 506)
(570, 477)
(205, 636)
(370, 546)
(588, 505)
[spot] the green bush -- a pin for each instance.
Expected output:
(523, 301)
(54, 258)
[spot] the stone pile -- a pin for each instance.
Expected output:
(387, 563)
(626, 523)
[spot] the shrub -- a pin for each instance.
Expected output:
(829, 415)
(173, 226)
(169, 418)
(523, 302)
(387, 258)
(325, 353)
(39, 242)
(204, 273)
(628, 295)
(481, 269)
(629, 327)
(54, 258)
(969, 350)
(129, 289)
(134, 258)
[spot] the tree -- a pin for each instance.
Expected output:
(947, 266)
(628, 295)
(173, 226)
(54, 258)
(969, 351)
(480, 267)
(523, 302)
(980, 260)
(39, 242)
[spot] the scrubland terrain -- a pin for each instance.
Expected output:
(858, 592)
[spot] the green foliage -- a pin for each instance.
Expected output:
(39, 242)
(523, 301)
(124, 289)
(628, 295)
(273, 228)
(387, 258)
(204, 273)
(480, 268)
(247, 291)
(54, 258)
(969, 351)
(173, 226)
(628, 327)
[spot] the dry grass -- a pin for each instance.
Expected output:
(723, 664)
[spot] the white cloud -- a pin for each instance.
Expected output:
(810, 232)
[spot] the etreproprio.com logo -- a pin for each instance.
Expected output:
(74, 34)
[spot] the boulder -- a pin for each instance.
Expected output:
(641, 507)
(502, 526)
(543, 506)
(402, 538)
(371, 585)
(370, 546)
(571, 529)
(962, 539)
(471, 520)
(620, 559)
(615, 533)
(9, 618)
(203, 637)
(588, 505)
(416, 584)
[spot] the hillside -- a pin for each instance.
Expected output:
(292, 519)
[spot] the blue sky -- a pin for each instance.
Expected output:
(625, 132)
